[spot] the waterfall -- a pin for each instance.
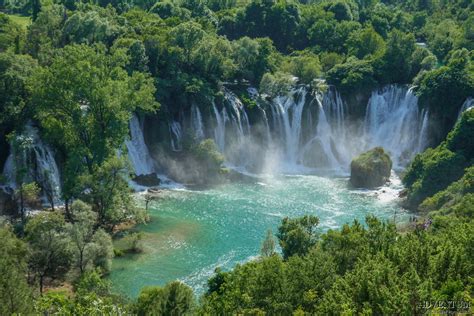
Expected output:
(138, 153)
(324, 139)
(325, 144)
(9, 171)
(393, 122)
(29, 153)
(299, 131)
(176, 136)
(219, 131)
(196, 119)
(232, 129)
(267, 126)
(287, 114)
(467, 105)
(336, 110)
(423, 138)
(238, 115)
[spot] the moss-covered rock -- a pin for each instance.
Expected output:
(371, 169)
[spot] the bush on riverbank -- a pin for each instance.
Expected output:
(435, 169)
(355, 270)
(457, 198)
(175, 298)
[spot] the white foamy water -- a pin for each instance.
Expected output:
(138, 153)
(30, 153)
(467, 106)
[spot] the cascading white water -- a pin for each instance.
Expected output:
(467, 105)
(288, 112)
(336, 112)
(311, 131)
(267, 126)
(423, 138)
(328, 145)
(138, 153)
(196, 119)
(337, 145)
(393, 121)
(232, 129)
(238, 115)
(9, 172)
(32, 155)
(219, 131)
(176, 135)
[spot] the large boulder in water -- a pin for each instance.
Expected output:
(371, 169)
(147, 180)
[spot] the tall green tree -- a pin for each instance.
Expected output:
(297, 236)
(444, 89)
(268, 245)
(84, 102)
(91, 247)
(397, 60)
(109, 194)
(366, 42)
(15, 294)
(174, 299)
(51, 255)
(14, 94)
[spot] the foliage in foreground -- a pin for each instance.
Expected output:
(355, 270)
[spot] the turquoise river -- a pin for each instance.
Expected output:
(193, 232)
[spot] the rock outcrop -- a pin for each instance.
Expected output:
(148, 180)
(371, 169)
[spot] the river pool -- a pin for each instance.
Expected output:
(194, 232)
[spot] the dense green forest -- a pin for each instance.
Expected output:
(79, 70)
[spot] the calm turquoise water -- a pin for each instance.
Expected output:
(194, 232)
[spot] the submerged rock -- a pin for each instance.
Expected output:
(147, 180)
(371, 169)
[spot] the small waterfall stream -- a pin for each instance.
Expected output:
(176, 136)
(423, 137)
(467, 105)
(328, 136)
(232, 129)
(32, 160)
(219, 131)
(196, 119)
(138, 153)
